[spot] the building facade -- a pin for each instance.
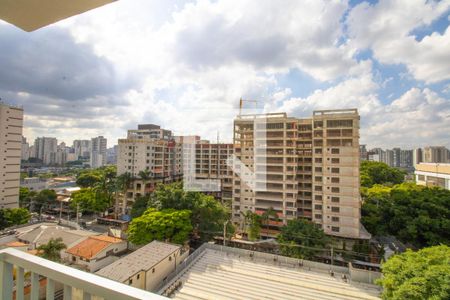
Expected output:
(303, 168)
(433, 174)
(437, 154)
(82, 148)
(45, 148)
(11, 122)
(98, 152)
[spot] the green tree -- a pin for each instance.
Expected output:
(17, 216)
(43, 199)
(90, 200)
(145, 176)
(122, 183)
(424, 274)
(254, 230)
(88, 179)
(379, 173)
(269, 215)
(52, 250)
(166, 225)
(140, 205)
(208, 215)
(3, 219)
(24, 194)
(301, 238)
(416, 215)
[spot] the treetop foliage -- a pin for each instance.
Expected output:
(168, 225)
(416, 215)
(379, 173)
(424, 274)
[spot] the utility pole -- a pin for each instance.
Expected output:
(225, 232)
(60, 211)
(78, 210)
(332, 259)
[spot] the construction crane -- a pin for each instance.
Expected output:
(241, 102)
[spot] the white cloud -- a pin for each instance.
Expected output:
(387, 27)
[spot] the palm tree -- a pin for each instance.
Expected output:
(121, 185)
(247, 216)
(145, 176)
(52, 250)
(266, 217)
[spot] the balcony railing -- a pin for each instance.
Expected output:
(90, 284)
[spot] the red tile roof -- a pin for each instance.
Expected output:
(93, 245)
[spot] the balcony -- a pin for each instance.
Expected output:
(89, 285)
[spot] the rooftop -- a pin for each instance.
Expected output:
(227, 273)
(142, 259)
(42, 235)
(93, 245)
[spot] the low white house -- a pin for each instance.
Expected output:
(146, 267)
(95, 252)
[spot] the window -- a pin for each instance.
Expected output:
(170, 258)
(318, 178)
(334, 150)
(318, 197)
(318, 151)
(335, 219)
(335, 170)
(335, 179)
(130, 281)
(153, 270)
(335, 209)
(335, 190)
(318, 188)
(317, 216)
(339, 123)
(421, 177)
(317, 206)
(335, 199)
(335, 160)
(138, 276)
(334, 228)
(318, 169)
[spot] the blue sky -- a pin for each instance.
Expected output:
(185, 64)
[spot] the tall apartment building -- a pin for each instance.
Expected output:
(152, 149)
(377, 154)
(211, 163)
(97, 156)
(363, 154)
(82, 148)
(45, 149)
(417, 156)
(406, 159)
(303, 168)
(11, 120)
(25, 149)
(438, 154)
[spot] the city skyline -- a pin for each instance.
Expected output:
(178, 59)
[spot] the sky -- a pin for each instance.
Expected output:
(185, 64)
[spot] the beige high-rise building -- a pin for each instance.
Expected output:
(150, 149)
(211, 163)
(304, 168)
(438, 154)
(11, 120)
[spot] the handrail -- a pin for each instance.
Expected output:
(89, 283)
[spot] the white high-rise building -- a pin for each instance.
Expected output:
(25, 149)
(11, 120)
(98, 152)
(82, 148)
(45, 148)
